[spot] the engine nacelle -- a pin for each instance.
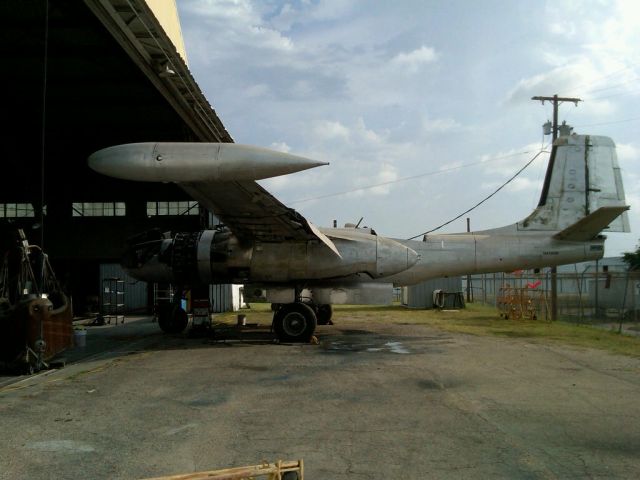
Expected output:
(208, 256)
(217, 256)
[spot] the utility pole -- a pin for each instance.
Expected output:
(556, 100)
(469, 293)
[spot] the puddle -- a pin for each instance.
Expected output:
(64, 446)
(370, 347)
(430, 384)
(173, 431)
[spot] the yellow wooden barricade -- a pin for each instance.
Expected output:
(281, 470)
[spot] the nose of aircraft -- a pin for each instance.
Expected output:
(394, 257)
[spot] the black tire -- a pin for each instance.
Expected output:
(28, 368)
(324, 314)
(172, 319)
(294, 322)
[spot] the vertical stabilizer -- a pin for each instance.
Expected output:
(583, 175)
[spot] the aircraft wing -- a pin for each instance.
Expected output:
(250, 211)
(222, 177)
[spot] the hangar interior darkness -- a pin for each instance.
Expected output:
(79, 76)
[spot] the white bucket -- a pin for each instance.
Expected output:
(80, 337)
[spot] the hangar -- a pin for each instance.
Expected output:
(79, 76)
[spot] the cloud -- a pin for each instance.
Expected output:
(259, 90)
(330, 130)
(496, 163)
(590, 55)
(414, 60)
(517, 185)
(628, 154)
(281, 147)
(440, 125)
(229, 26)
(386, 175)
(562, 79)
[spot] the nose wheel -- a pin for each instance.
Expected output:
(294, 322)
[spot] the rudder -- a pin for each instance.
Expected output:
(583, 175)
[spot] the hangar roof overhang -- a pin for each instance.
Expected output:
(78, 76)
(136, 29)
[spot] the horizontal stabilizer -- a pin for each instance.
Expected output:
(588, 227)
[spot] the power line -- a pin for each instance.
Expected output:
(608, 123)
(616, 85)
(618, 94)
(484, 199)
(404, 179)
(598, 80)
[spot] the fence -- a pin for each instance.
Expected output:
(582, 296)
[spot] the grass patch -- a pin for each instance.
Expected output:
(475, 320)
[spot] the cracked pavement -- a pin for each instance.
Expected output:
(370, 401)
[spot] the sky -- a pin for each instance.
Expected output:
(422, 108)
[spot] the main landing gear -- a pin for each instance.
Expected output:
(292, 322)
(296, 322)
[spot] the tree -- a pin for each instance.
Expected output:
(632, 259)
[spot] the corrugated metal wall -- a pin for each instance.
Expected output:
(221, 298)
(135, 291)
(136, 297)
(421, 295)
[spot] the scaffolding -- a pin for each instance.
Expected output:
(162, 295)
(521, 302)
(113, 300)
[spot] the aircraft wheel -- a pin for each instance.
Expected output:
(295, 322)
(29, 368)
(172, 319)
(324, 314)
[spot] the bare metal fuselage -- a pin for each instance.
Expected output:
(502, 250)
(218, 257)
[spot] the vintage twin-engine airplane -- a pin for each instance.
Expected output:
(263, 243)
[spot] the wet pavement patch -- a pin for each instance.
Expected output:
(429, 384)
(208, 399)
(354, 332)
(353, 341)
(252, 368)
(350, 343)
(62, 446)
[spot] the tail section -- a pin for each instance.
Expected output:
(582, 192)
